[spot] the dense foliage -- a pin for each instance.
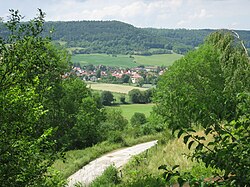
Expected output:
(138, 119)
(42, 114)
(30, 69)
(210, 87)
(114, 37)
(107, 98)
(141, 97)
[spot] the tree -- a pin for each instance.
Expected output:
(98, 73)
(138, 119)
(107, 98)
(113, 125)
(115, 119)
(30, 69)
(86, 131)
(137, 96)
(125, 78)
(210, 86)
(123, 99)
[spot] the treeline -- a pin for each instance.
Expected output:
(114, 37)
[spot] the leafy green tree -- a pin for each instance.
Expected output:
(210, 86)
(125, 78)
(107, 98)
(138, 119)
(30, 69)
(86, 131)
(63, 108)
(135, 96)
(114, 125)
(115, 119)
(98, 73)
(123, 99)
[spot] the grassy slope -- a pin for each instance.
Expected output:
(170, 153)
(124, 60)
(142, 170)
(118, 88)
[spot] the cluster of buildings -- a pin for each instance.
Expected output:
(99, 73)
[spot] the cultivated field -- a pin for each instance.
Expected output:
(125, 61)
(118, 88)
(157, 60)
(104, 59)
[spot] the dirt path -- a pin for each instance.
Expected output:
(95, 168)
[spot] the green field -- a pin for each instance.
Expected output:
(104, 59)
(157, 60)
(118, 88)
(129, 109)
(124, 60)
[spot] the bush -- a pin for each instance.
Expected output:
(138, 119)
(107, 98)
(109, 178)
(122, 99)
(115, 137)
(137, 96)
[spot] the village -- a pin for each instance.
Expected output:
(138, 75)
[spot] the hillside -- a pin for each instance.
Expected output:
(114, 37)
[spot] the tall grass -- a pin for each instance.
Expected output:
(174, 152)
(142, 170)
(76, 159)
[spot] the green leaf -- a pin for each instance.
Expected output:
(168, 177)
(190, 144)
(208, 130)
(211, 143)
(191, 130)
(186, 138)
(180, 133)
(164, 167)
(175, 166)
(181, 181)
(199, 146)
(237, 125)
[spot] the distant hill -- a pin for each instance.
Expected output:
(114, 37)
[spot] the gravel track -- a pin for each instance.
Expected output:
(118, 158)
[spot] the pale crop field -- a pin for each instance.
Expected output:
(118, 88)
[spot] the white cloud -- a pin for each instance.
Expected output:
(142, 13)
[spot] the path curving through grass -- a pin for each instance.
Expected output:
(95, 168)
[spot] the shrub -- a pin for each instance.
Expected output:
(138, 119)
(107, 98)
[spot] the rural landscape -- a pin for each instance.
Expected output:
(129, 106)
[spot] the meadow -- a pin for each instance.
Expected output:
(129, 109)
(157, 60)
(125, 61)
(104, 59)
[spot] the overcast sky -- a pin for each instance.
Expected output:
(190, 14)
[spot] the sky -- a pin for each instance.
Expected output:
(189, 14)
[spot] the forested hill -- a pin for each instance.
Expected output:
(116, 37)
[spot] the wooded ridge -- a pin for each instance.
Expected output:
(115, 37)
